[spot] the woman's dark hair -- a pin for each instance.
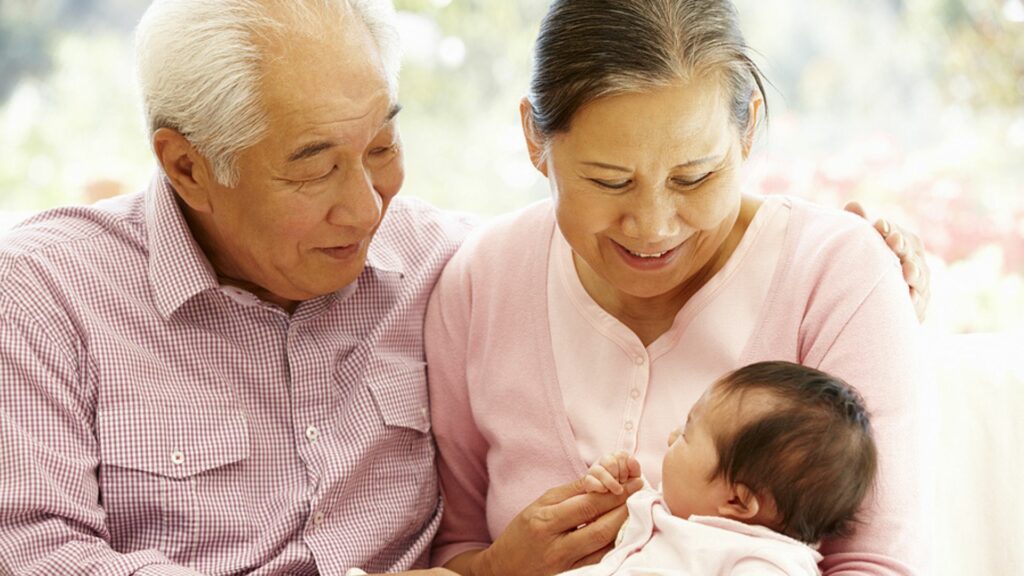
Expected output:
(812, 450)
(588, 49)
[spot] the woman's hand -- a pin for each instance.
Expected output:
(564, 528)
(908, 247)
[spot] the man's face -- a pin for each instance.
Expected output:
(313, 192)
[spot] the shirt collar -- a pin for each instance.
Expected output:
(381, 256)
(178, 268)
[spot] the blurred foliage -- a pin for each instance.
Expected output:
(915, 107)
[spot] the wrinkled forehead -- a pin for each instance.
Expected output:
(340, 69)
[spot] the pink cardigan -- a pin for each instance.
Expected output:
(837, 302)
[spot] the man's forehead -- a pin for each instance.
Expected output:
(310, 145)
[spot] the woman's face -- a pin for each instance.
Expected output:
(646, 187)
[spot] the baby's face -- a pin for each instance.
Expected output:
(691, 460)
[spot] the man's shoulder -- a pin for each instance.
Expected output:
(415, 235)
(65, 238)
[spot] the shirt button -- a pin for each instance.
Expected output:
(639, 360)
(634, 393)
(629, 424)
(312, 433)
(177, 457)
(318, 518)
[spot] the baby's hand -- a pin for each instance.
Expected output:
(610, 472)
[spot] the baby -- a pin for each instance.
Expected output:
(772, 458)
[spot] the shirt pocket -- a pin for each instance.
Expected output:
(403, 462)
(399, 388)
(170, 473)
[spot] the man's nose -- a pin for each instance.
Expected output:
(358, 204)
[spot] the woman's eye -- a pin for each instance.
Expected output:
(611, 184)
(689, 182)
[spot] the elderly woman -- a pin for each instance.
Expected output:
(591, 323)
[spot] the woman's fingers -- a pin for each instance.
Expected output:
(561, 528)
(568, 506)
(596, 537)
(594, 557)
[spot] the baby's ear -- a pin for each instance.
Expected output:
(743, 503)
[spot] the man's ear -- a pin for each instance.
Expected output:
(185, 167)
(534, 141)
(753, 116)
(743, 503)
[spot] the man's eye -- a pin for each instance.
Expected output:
(379, 150)
(325, 176)
(316, 179)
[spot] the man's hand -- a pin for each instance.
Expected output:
(611, 472)
(563, 529)
(910, 250)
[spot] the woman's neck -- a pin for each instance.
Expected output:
(651, 317)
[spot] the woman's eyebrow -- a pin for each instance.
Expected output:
(712, 159)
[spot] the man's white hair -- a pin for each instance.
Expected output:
(199, 65)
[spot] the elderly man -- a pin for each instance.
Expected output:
(222, 374)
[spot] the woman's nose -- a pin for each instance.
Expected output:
(651, 217)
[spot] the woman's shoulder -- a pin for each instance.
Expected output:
(509, 241)
(824, 239)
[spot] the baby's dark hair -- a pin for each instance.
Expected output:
(813, 451)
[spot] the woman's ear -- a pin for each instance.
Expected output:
(753, 116)
(534, 141)
(743, 504)
(187, 169)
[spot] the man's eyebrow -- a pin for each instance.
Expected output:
(392, 113)
(314, 148)
(311, 149)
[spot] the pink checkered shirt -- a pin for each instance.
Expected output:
(155, 422)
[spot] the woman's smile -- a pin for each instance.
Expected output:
(648, 260)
